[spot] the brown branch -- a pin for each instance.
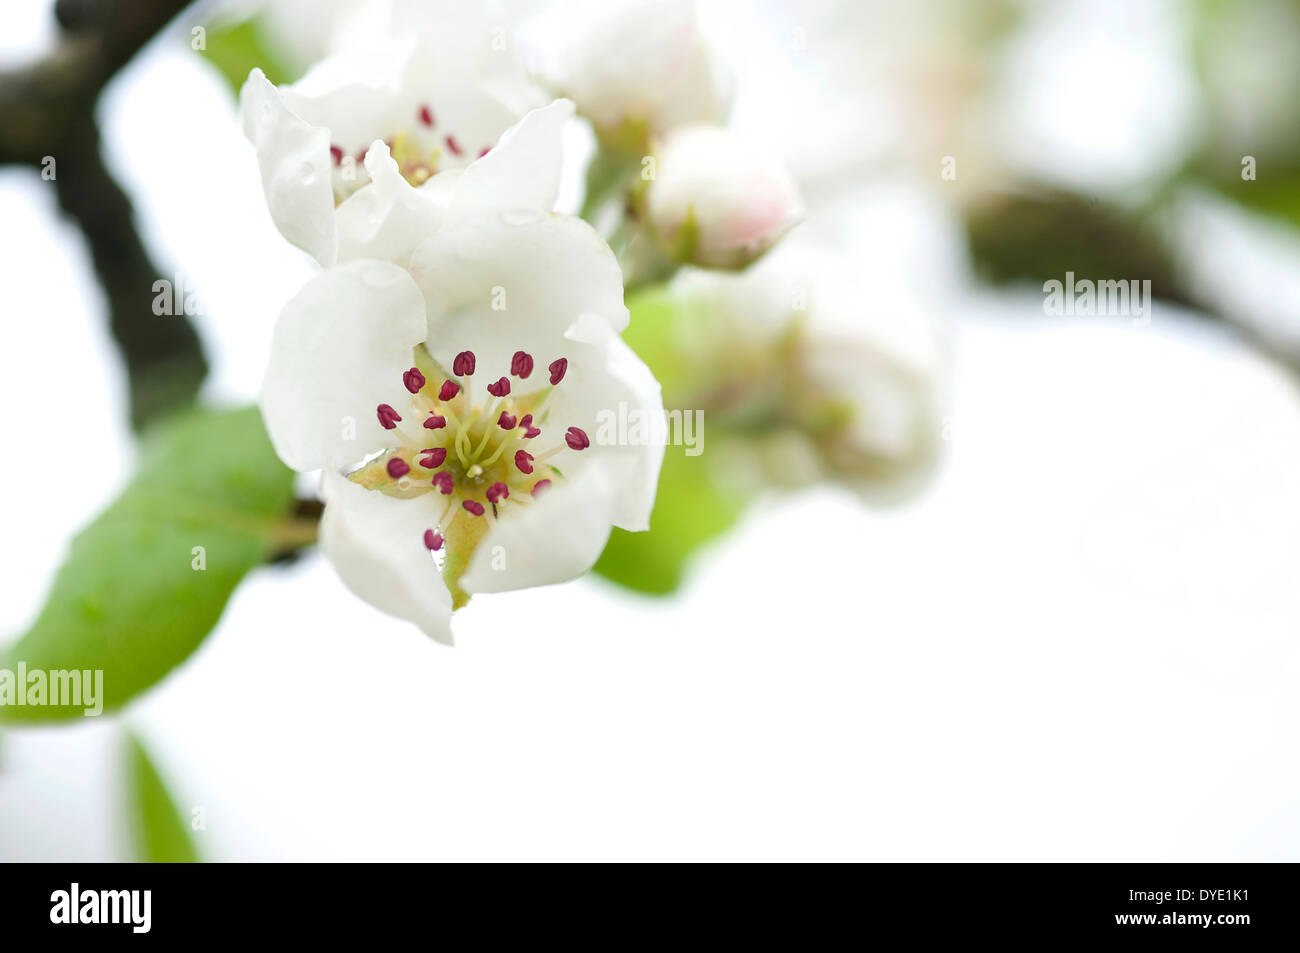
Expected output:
(47, 110)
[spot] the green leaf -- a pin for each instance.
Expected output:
(148, 579)
(234, 49)
(690, 510)
(159, 832)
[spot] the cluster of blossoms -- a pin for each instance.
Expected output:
(448, 369)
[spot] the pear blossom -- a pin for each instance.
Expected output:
(635, 68)
(717, 200)
(432, 110)
(857, 389)
(450, 379)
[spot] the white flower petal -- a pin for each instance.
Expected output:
(507, 281)
(558, 538)
(610, 394)
(388, 218)
(294, 159)
(376, 544)
(522, 171)
(339, 350)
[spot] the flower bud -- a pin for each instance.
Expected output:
(717, 201)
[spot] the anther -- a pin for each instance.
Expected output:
(506, 421)
(529, 430)
(524, 461)
(463, 364)
(336, 154)
(413, 380)
(576, 439)
(453, 145)
(398, 468)
(434, 459)
(539, 487)
(473, 506)
(449, 390)
(500, 388)
(435, 422)
(498, 492)
(426, 116)
(557, 369)
(443, 482)
(388, 417)
(521, 365)
(432, 540)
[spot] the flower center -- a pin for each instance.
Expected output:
(477, 446)
(420, 151)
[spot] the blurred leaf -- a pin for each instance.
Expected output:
(690, 510)
(159, 832)
(148, 579)
(1040, 236)
(234, 49)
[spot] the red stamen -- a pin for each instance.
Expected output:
(436, 457)
(538, 487)
(529, 430)
(557, 369)
(524, 461)
(432, 540)
(498, 492)
(576, 439)
(388, 417)
(336, 154)
(398, 468)
(506, 421)
(443, 482)
(521, 365)
(426, 116)
(435, 422)
(413, 380)
(449, 390)
(453, 145)
(500, 388)
(473, 506)
(464, 364)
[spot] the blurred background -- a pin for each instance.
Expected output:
(1077, 642)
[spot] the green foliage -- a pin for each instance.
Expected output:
(690, 510)
(148, 579)
(158, 829)
(235, 48)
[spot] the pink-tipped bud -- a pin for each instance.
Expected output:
(521, 365)
(449, 390)
(500, 388)
(444, 482)
(498, 492)
(506, 421)
(557, 369)
(435, 422)
(577, 439)
(524, 461)
(433, 457)
(464, 364)
(413, 380)
(474, 507)
(388, 417)
(426, 116)
(432, 540)
(398, 468)
(540, 487)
